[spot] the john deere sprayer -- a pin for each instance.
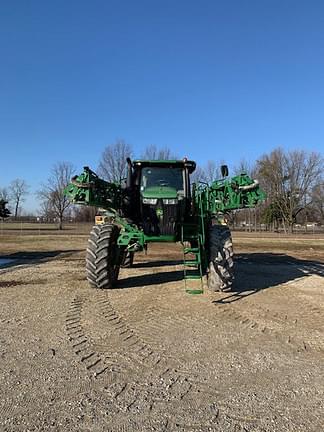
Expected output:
(158, 203)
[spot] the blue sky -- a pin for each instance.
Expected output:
(209, 79)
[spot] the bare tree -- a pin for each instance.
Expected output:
(317, 200)
(18, 190)
(84, 213)
(112, 166)
(53, 200)
(207, 173)
(46, 210)
(212, 171)
(153, 153)
(198, 175)
(288, 178)
(4, 194)
(245, 167)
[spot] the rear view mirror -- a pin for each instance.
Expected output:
(224, 170)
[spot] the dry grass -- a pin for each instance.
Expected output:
(296, 245)
(22, 228)
(16, 237)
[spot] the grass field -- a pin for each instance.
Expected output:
(30, 236)
(23, 228)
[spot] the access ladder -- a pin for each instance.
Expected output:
(192, 260)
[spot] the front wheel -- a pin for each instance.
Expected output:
(220, 269)
(102, 258)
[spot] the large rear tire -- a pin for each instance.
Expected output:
(220, 269)
(103, 258)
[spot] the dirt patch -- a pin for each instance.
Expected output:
(13, 283)
(147, 356)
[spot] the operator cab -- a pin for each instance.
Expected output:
(163, 194)
(167, 182)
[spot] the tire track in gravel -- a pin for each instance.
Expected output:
(3, 349)
(273, 323)
(154, 386)
(149, 380)
(245, 320)
(81, 343)
(141, 352)
(256, 309)
(304, 325)
(157, 319)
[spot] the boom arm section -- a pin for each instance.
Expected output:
(90, 190)
(230, 194)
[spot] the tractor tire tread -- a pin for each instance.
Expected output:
(101, 267)
(220, 269)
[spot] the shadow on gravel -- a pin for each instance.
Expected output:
(21, 258)
(150, 279)
(258, 271)
(159, 263)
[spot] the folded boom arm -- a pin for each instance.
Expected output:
(229, 194)
(88, 189)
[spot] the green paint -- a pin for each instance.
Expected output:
(165, 180)
(159, 192)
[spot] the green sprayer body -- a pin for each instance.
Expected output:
(158, 203)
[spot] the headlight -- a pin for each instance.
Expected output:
(170, 201)
(152, 201)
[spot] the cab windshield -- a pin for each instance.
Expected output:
(162, 177)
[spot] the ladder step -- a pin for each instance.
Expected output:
(192, 276)
(194, 291)
(191, 250)
(191, 263)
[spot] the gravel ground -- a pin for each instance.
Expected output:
(147, 356)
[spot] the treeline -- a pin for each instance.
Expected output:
(15, 195)
(293, 181)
